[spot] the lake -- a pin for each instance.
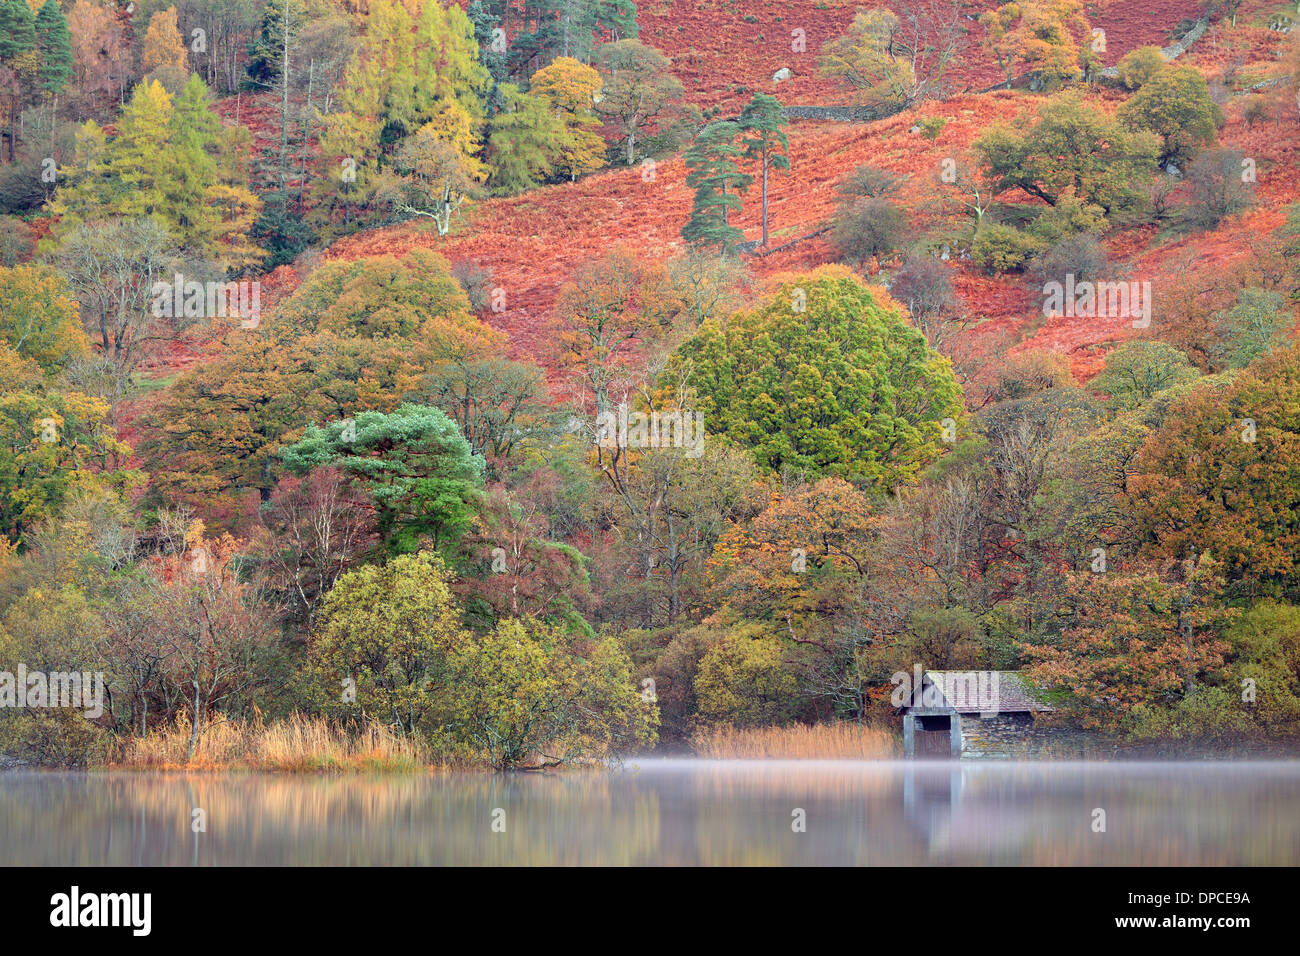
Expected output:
(669, 811)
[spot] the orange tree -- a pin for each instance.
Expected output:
(1135, 639)
(1220, 476)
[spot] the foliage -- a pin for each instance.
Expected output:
(1174, 104)
(870, 410)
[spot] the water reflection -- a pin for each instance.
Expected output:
(669, 812)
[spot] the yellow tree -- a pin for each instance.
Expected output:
(573, 88)
(1042, 35)
(162, 53)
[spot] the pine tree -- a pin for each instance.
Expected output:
(55, 44)
(271, 63)
(765, 141)
(17, 30)
(713, 171)
(18, 53)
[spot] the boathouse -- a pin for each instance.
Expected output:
(970, 713)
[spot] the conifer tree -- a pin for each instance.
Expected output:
(713, 172)
(765, 141)
(55, 44)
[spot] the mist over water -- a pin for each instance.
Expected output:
(664, 811)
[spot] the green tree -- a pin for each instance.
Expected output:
(522, 691)
(743, 680)
(1071, 148)
(392, 629)
(638, 90)
(1259, 322)
(55, 43)
(38, 316)
(871, 409)
(1174, 104)
(526, 143)
(713, 171)
(1138, 369)
(426, 483)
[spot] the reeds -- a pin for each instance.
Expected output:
(838, 741)
(298, 744)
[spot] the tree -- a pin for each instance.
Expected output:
(524, 691)
(1071, 149)
(1258, 323)
(896, 58)
(870, 410)
(573, 88)
(391, 630)
(313, 530)
(271, 62)
(112, 268)
(497, 404)
(162, 52)
(19, 59)
(764, 140)
(713, 172)
(1219, 188)
(638, 90)
(414, 463)
(55, 44)
(743, 681)
(436, 180)
(162, 164)
(612, 306)
(1138, 67)
(1135, 640)
(100, 50)
(526, 142)
(51, 444)
(38, 316)
(1043, 35)
(1174, 104)
(864, 229)
(1218, 477)
(1138, 369)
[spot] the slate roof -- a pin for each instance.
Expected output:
(973, 692)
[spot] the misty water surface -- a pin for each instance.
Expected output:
(669, 812)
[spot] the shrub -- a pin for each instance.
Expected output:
(1218, 189)
(1067, 219)
(1000, 248)
(1139, 66)
(476, 281)
(1082, 256)
(868, 227)
(743, 681)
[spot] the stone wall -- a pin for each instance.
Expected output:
(1004, 736)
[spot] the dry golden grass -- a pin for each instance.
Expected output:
(299, 744)
(841, 741)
